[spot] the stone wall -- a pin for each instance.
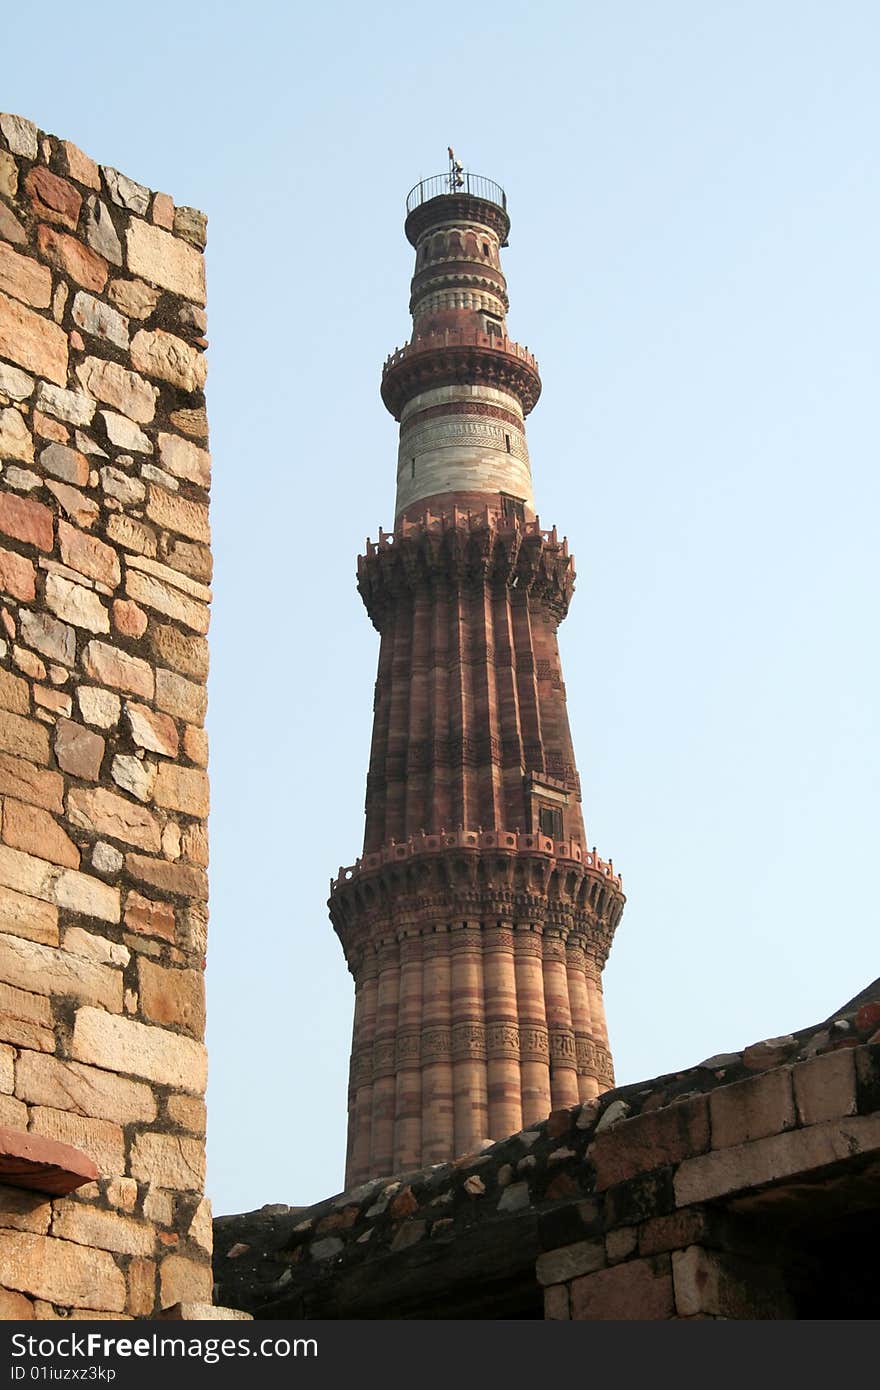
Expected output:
(104, 563)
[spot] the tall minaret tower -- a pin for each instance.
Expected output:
(477, 921)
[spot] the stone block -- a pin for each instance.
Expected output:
(13, 693)
(105, 813)
(88, 555)
(752, 1109)
(21, 915)
(559, 1266)
(99, 707)
(92, 315)
(638, 1290)
(175, 513)
(106, 1230)
(28, 965)
(149, 918)
(709, 1282)
(78, 750)
(26, 521)
(185, 460)
(101, 1140)
(663, 1233)
(181, 698)
(23, 738)
(137, 1049)
(189, 1112)
(53, 198)
(123, 390)
(825, 1087)
(114, 667)
(17, 576)
(90, 1091)
(34, 830)
(67, 464)
(162, 598)
(174, 997)
(153, 731)
(32, 341)
(61, 1271)
(182, 789)
(14, 1307)
(170, 1160)
(182, 650)
(36, 786)
(55, 640)
(15, 437)
(165, 260)
(779, 1156)
(128, 619)
(141, 1288)
(24, 278)
(169, 358)
(22, 1210)
(179, 880)
(654, 1140)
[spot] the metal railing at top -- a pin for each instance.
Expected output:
(472, 184)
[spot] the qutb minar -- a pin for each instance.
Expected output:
(477, 921)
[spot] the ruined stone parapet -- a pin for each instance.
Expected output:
(104, 573)
(739, 1188)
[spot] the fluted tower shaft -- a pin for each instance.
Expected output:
(476, 923)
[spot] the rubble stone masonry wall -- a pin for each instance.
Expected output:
(104, 567)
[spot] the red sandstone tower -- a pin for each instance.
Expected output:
(477, 922)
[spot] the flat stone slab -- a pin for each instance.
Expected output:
(202, 1312)
(43, 1165)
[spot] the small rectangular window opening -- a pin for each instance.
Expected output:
(507, 442)
(550, 822)
(512, 508)
(412, 471)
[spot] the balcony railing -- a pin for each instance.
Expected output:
(474, 185)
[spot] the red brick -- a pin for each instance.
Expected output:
(185, 880)
(149, 918)
(53, 197)
(79, 751)
(88, 555)
(638, 1290)
(867, 1018)
(559, 1123)
(24, 278)
(26, 521)
(128, 618)
(656, 1140)
(752, 1109)
(83, 265)
(79, 166)
(47, 428)
(404, 1204)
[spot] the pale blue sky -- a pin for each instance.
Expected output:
(693, 257)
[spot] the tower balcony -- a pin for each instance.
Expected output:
(435, 200)
(459, 355)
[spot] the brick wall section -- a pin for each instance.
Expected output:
(618, 1208)
(104, 566)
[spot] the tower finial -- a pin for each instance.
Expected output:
(455, 171)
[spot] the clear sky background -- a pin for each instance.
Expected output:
(693, 187)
